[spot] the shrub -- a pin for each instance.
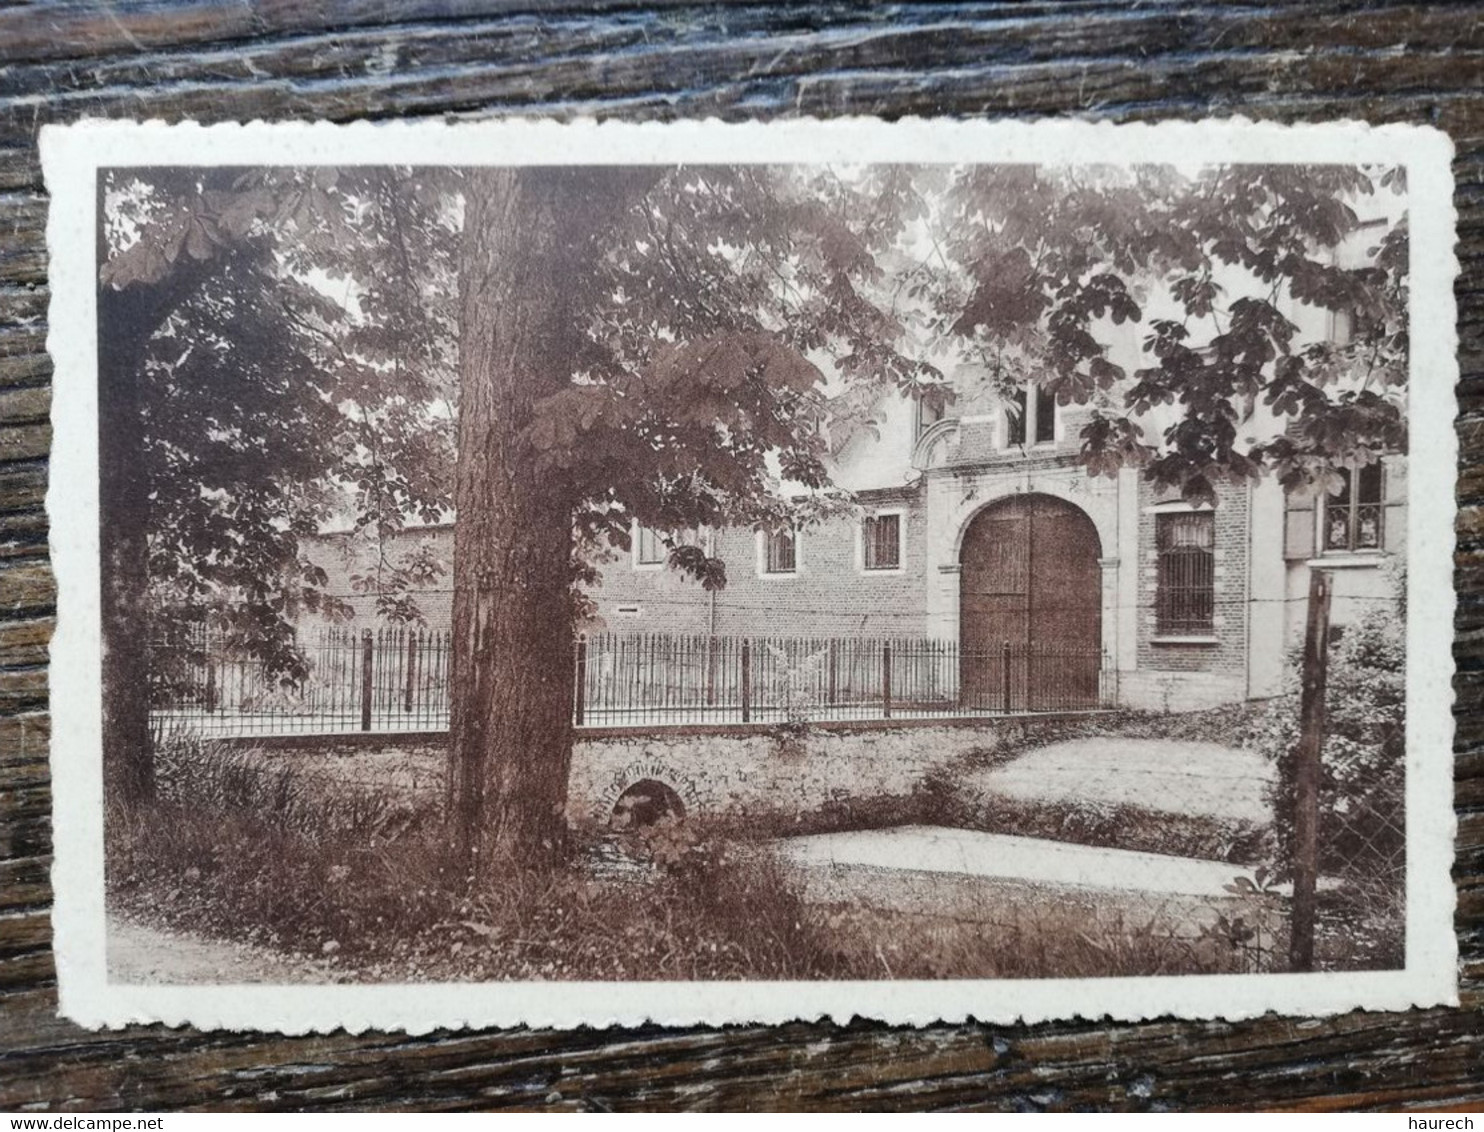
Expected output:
(1124, 826)
(242, 846)
(1362, 777)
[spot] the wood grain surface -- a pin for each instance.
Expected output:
(346, 59)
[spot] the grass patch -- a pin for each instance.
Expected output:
(244, 848)
(1116, 827)
(1050, 942)
(941, 798)
(1017, 735)
(394, 909)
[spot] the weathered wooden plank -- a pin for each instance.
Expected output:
(24, 642)
(81, 31)
(26, 586)
(25, 441)
(25, 883)
(22, 486)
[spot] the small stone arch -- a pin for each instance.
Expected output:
(644, 803)
(929, 450)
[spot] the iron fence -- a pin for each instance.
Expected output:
(664, 678)
(351, 680)
(399, 680)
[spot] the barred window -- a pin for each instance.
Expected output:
(882, 538)
(1187, 573)
(1352, 519)
(649, 548)
(782, 552)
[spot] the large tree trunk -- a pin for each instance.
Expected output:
(128, 756)
(127, 320)
(511, 724)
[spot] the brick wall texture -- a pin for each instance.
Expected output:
(830, 594)
(1228, 648)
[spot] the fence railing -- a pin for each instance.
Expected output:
(354, 680)
(664, 678)
(399, 680)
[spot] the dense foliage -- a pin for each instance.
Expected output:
(1363, 762)
(1035, 266)
(310, 347)
(677, 346)
(268, 403)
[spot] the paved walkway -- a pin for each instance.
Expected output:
(1029, 860)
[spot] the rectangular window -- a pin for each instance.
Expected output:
(1045, 416)
(1186, 600)
(1342, 327)
(782, 552)
(928, 414)
(882, 539)
(1015, 413)
(649, 548)
(1352, 519)
(1030, 418)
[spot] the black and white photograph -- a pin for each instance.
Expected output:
(660, 563)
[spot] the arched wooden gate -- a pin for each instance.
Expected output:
(1030, 607)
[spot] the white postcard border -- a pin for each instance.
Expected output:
(71, 155)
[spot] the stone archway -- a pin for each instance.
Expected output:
(647, 802)
(1030, 607)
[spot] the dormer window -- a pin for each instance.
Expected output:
(1030, 414)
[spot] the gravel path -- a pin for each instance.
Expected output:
(964, 852)
(144, 953)
(1164, 775)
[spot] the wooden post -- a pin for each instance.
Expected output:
(210, 687)
(746, 680)
(579, 695)
(367, 650)
(1005, 674)
(885, 679)
(1306, 756)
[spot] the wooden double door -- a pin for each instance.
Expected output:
(1030, 607)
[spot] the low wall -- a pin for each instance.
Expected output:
(723, 770)
(764, 770)
(1166, 692)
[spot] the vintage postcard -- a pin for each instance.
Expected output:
(562, 574)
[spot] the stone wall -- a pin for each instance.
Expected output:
(729, 771)
(734, 771)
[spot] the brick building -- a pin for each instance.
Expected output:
(983, 529)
